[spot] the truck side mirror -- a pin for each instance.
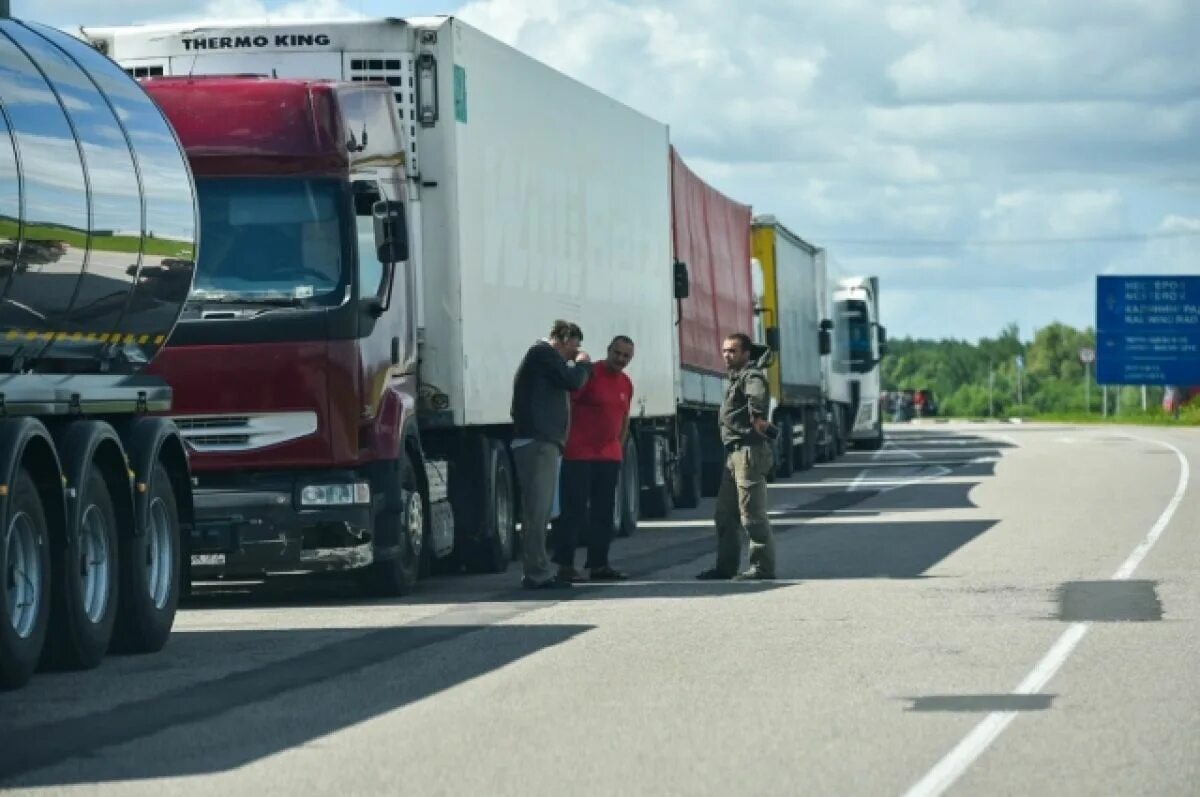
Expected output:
(825, 337)
(773, 339)
(682, 283)
(883, 347)
(391, 232)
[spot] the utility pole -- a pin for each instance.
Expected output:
(1087, 389)
(1020, 372)
(991, 386)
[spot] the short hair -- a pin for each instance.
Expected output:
(620, 339)
(563, 331)
(743, 340)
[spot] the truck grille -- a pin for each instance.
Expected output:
(226, 433)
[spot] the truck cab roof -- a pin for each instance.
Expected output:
(253, 124)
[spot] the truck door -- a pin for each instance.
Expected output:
(386, 291)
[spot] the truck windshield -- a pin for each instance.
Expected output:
(855, 314)
(269, 239)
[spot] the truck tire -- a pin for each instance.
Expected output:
(629, 491)
(656, 498)
(83, 606)
(398, 575)
(826, 423)
(808, 449)
(149, 566)
(785, 456)
(824, 434)
(24, 583)
(874, 443)
(492, 550)
(712, 459)
(688, 492)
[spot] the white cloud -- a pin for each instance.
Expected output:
(1174, 250)
(1030, 214)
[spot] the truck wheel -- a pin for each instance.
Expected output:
(397, 576)
(629, 485)
(84, 603)
(825, 444)
(712, 459)
(808, 449)
(492, 550)
(148, 586)
(875, 443)
(687, 496)
(656, 498)
(25, 593)
(785, 459)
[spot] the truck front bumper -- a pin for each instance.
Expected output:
(265, 530)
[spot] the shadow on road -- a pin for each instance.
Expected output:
(330, 690)
(879, 550)
(919, 496)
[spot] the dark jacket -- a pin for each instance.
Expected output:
(541, 405)
(747, 396)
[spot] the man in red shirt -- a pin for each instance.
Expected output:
(592, 465)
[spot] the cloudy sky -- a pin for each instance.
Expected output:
(986, 158)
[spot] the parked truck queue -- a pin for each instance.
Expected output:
(512, 195)
(323, 288)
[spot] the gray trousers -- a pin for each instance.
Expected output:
(537, 470)
(742, 504)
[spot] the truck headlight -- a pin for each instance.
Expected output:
(336, 494)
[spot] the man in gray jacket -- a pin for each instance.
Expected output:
(541, 413)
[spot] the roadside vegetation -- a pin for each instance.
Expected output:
(980, 380)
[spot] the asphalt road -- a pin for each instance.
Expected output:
(1008, 609)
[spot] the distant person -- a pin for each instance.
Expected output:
(592, 465)
(541, 413)
(1172, 400)
(749, 455)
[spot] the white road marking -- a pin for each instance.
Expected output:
(832, 484)
(966, 752)
(924, 463)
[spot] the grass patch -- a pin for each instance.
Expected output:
(1188, 416)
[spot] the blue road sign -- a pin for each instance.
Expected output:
(1148, 330)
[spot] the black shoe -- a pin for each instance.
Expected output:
(606, 574)
(550, 583)
(713, 574)
(753, 575)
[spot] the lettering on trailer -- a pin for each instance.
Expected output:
(196, 43)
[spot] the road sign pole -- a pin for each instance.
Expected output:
(1087, 356)
(1143, 398)
(1087, 388)
(1104, 399)
(991, 385)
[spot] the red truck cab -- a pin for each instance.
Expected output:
(294, 363)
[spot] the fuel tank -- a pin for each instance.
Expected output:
(98, 212)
